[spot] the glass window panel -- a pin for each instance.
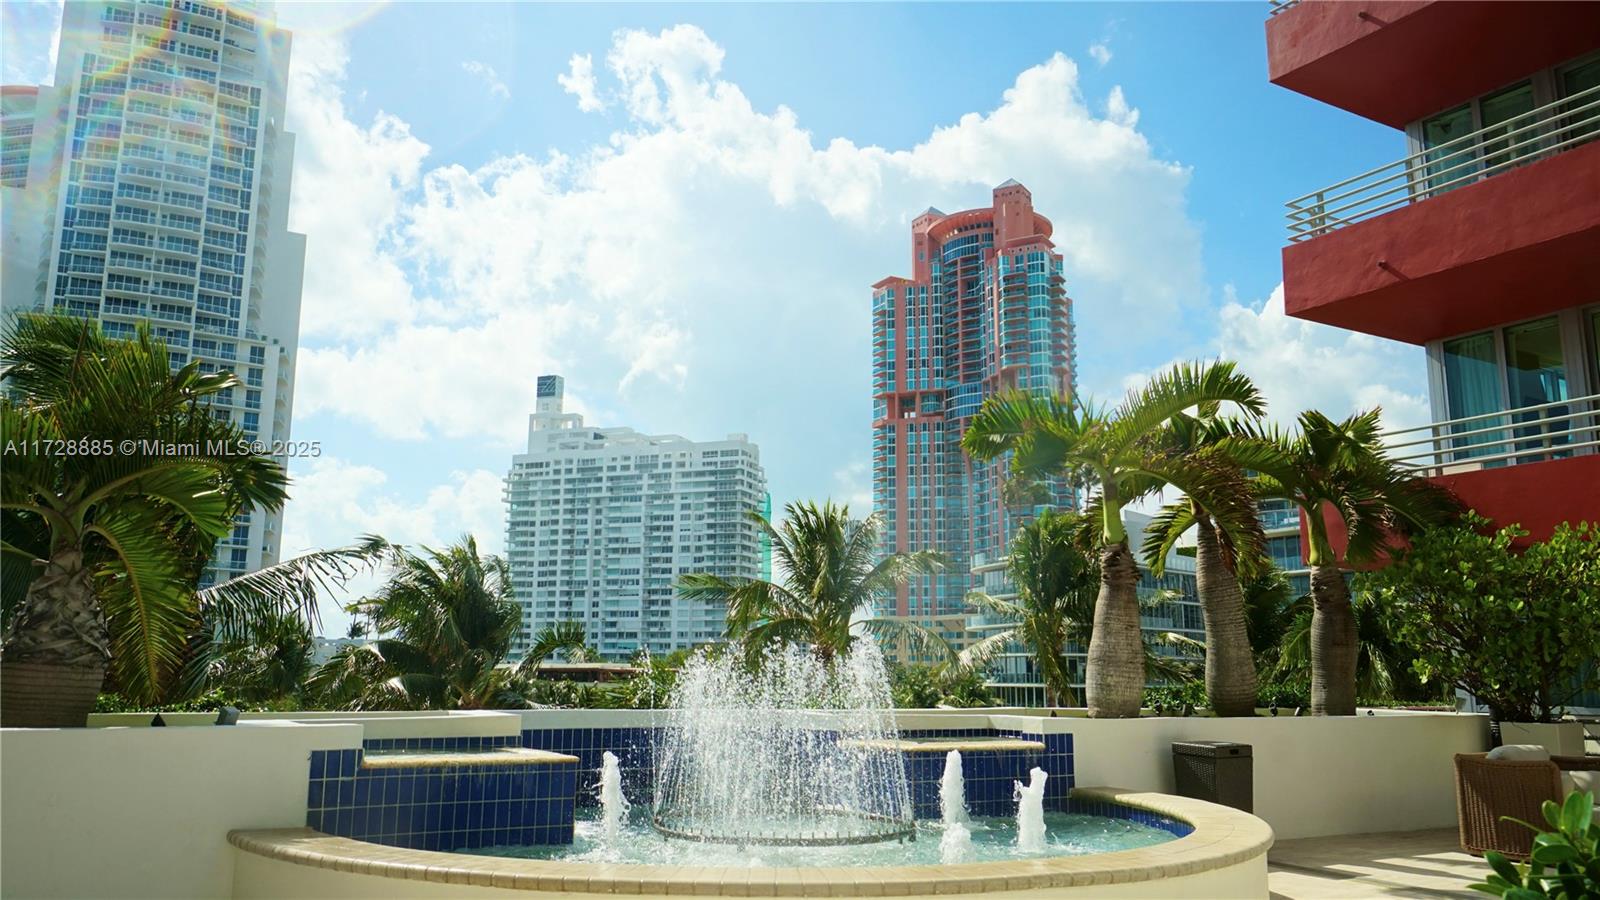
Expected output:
(1455, 160)
(1575, 80)
(1536, 374)
(1472, 388)
(1505, 106)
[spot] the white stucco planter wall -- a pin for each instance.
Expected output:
(1560, 738)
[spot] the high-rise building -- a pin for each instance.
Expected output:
(601, 522)
(985, 310)
(154, 187)
(1480, 242)
(1169, 604)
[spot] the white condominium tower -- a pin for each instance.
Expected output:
(150, 183)
(602, 521)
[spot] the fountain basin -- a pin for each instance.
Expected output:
(1224, 855)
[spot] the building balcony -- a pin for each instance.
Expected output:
(1395, 61)
(1536, 466)
(1439, 243)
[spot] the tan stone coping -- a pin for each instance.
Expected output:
(499, 756)
(1222, 837)
(945, 745)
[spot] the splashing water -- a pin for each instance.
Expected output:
(1030, 810)
(956, 844)
(953, 791)
(613, 804)
(798, 752)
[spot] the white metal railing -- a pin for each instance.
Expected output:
(1535, 134)
(1279, 6)
(1528, 434)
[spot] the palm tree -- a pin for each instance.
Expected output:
(1340, 469)
(829, 581)
(1120, 453)
(1054, 566)
(453, 620)
(117, 483)
(1056, 583)
(1228, 537)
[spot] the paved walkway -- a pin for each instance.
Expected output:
(1421, 864)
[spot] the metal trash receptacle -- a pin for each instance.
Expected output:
(1218, 771)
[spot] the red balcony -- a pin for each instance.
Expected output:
(1494, 226)
(1396, 61)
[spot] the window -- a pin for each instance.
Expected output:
(1536, 376)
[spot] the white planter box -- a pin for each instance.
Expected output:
(1560, 738)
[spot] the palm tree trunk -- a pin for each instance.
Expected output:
(1333, 644)
(1115, 679)
(1230, 666)
(54, 658)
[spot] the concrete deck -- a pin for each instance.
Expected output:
(1419, 864)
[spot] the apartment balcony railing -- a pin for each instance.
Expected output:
(1278, 6)
(1530, 136)
(1529, 434)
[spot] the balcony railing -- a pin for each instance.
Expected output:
(1533, 135)
(1528, 434)
(1278, 6)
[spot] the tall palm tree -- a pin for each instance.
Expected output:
(452, 619)
(1341, 470)
(1056, 583)
(1121, 455)
(117, 483)
(829, 581)
(1228, 537)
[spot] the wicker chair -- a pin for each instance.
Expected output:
(1487, 789)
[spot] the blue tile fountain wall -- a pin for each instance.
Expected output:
(1133, 813)
(443, 807)
(989, 774)
(634, 748)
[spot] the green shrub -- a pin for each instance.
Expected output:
(1516, 630)
(927, 687)
(1175, 696)
(1565, 860)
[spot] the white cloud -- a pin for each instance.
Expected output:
(853, 486)
(579, 82)
(1302, 365)
(1100, 52)
(348, 191)
(26, 56)
(490, 78)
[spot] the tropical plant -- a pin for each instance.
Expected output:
(1565, 861)
(1340, 469)
(1056, 583)
(1122, 456)
(830, 584)
(117, 483)
(272, 662)
(1519, 631)
(932, 686)
(1221, 510)
(453, 621)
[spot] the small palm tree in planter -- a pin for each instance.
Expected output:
(1121, 454)
(1342, 468)
(830, 584)
(118, 482)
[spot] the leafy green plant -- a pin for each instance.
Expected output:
(1565, 861)
(1174, 697)
(927, 687)
(1517, 630)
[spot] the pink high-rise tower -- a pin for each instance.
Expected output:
(985, 310)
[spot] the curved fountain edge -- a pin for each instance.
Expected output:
(1222, 837)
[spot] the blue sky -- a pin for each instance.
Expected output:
(680, 207)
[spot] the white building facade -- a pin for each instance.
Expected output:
(601, 522)
(154, 187)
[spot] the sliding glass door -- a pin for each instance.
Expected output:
(1472, 388)
(1536, 376)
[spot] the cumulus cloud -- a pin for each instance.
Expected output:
(1303, 365)
(488, 76)
(1100, 52)
(579, 82)
(651, 262)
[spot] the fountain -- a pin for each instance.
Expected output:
(1030, 811)
(798, 752)
(613, 805)
(953, 791)
(956, 844)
